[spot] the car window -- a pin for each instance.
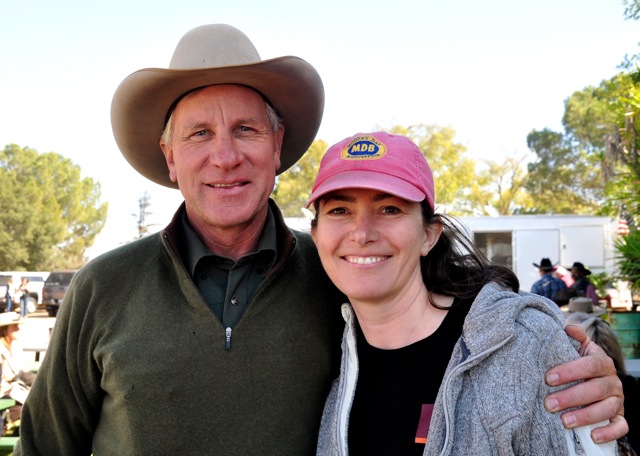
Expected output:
(59, 278)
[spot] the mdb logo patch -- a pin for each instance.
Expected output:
(364, 148)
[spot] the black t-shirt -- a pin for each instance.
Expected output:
(397, 388)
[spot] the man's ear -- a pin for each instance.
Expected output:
(167, 150)
(279, 138)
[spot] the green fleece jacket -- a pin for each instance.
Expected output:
(138, 364)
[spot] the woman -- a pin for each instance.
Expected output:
(445, 356)
(603, 334)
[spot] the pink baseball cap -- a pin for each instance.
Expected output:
(377, 161)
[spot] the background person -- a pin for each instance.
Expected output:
(581, 284)
(604, 335)
(24, 297)
(563, 274)
(432, 327)
(254, 321)
(11, 293)
(548, 285)
(15, 383)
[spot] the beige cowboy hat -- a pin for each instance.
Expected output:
(582, 304)
(10, 318)
(209, 55)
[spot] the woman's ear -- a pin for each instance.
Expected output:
(432, 234)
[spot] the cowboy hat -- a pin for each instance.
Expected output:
(545, 263)
(580, 267)
(582, 304)
(209, 55)
(10, 318)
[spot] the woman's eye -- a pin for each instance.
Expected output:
(390, 210)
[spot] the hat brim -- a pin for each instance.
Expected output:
(368, 180)
(142, 101)
(597, 311)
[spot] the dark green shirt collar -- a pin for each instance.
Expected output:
(195, 249)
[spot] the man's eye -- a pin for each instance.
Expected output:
(337, 210)
(390, 210)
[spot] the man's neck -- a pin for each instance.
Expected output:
(232, 242)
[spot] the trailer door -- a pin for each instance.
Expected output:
(584, 244)
(530, 247)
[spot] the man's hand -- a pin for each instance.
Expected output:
(601, 391)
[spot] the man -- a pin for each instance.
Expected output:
(581, 285)
(220, 334)
(548, 285)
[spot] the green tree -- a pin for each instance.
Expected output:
(458, 187)
(604, 121)
(564, 178)
(504, 187)
(293, 187)
(50, 214)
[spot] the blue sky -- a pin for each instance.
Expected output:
(491, 70)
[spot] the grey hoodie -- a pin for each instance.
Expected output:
(490, 401)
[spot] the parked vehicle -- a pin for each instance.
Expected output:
(55, 287)
(36, 284)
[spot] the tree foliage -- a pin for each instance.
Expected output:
(504, 187)
(604, 120)
(564, 178)
(458, 187)
(50, 214)
(293, 187)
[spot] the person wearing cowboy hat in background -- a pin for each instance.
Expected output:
(220, 334)
(581, 285)
(15, 382)
(547, 285)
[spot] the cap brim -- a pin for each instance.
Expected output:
(368, 180)
(141, 102)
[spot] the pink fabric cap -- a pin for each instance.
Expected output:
(378, 161)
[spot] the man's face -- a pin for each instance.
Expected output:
(575, 273)
(224, 156)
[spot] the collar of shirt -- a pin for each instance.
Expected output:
(195, 250)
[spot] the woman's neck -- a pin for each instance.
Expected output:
(403, 322)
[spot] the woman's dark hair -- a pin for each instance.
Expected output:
(455, 266)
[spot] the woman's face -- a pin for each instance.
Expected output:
(370, 243)
(13, 332)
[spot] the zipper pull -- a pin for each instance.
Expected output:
(577, 444)
(227, 343)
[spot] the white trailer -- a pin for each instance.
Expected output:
(518, 241)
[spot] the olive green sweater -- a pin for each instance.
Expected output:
(138, 364)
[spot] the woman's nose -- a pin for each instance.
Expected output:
(364, 229)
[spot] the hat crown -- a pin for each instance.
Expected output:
(212, 46)
(581, 304)
(378, 161)
(9, 318)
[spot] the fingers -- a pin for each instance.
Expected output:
(593, 363)
(616, 429)
(585, 393)
(578, 333)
